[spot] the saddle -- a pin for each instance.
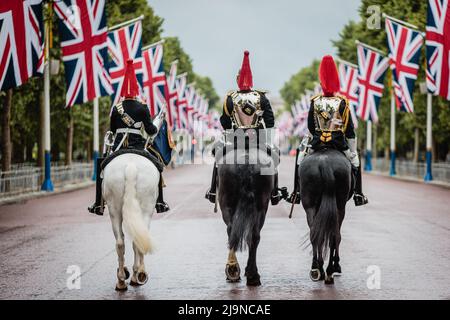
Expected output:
(144, 153)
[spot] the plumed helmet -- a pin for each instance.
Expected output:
(130, 88)
(328, 76)
(245, 81)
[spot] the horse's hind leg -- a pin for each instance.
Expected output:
(330, 269)
(251, 271)
(336, 265)
(122, 272)
(232, 269)
(140, 276)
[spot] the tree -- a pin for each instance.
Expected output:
(205, 86)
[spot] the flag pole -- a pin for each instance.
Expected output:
(153, 44)
(393, 155)
(347, 63)
(125, 23)
(429, 155)
(96, 144)
(368, 165)
(371, 48)
(47, 185)
(406, 24)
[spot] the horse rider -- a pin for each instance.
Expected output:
(246, 102)
(330, 124)
(128, 118)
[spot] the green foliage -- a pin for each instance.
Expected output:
(303, 80)
(25, 111)
(205, 86)
(414, 12)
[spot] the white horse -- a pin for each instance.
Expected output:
(130, 190)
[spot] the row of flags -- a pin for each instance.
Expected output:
(95, 59)
(363, 84)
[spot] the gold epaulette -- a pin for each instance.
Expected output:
(343, 98)
(262, 91)
(314, 98)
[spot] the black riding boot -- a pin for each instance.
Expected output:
(211, 193)
(278, 193)
(359, 198)
(99, 206)
(161, 206)
(295, 195)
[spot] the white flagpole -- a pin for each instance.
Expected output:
(368, 165)
(428, 175)
(393, 171)
(126, 23)
(96, 144)
(47, 185)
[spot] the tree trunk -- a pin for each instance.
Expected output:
(6, 132)
(6, 136)
(41, 140)
(69, 141)
(416, 145)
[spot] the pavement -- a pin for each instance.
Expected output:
(396, 247)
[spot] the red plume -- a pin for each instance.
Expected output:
(329, 77)
(245, 81)
(130, 87)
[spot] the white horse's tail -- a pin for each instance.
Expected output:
(132, 214)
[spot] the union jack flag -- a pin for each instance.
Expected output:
(182, 120)
(22, 41)
(82, 26)
(154, 78)
(125, 44)
(372, 70)
(300, 112)
(348, 77)
(172, 94)
(190, 106)
(438, 47)
(404, 54)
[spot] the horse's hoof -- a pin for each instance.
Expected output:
(253, 281)
(233, 272)
(127, 273)
(329, 280)
(133, 283)
(142, 278)
(315, 275)
(123, 287)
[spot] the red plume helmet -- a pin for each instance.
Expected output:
(130, 87)
(329, 77)
(245, 81)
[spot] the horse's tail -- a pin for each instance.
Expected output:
(245, 217)
(132, 214)
(325, 224)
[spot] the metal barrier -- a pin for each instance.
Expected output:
(28, 179)
(405, 168)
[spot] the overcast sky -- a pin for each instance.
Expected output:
(281, 35)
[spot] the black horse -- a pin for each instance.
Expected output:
(245, 184)
(326, 184)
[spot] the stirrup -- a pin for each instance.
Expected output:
(296, 195)
(360, 200)
(278, 194)
(98, 210)
(162, 207)
(210, 196)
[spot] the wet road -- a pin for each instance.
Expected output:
(401, 241)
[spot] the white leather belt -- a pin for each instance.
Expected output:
(125, 132)
(129, 130)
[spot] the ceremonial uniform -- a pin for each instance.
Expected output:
(129, 118)
(247, 108)
(331, 125)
